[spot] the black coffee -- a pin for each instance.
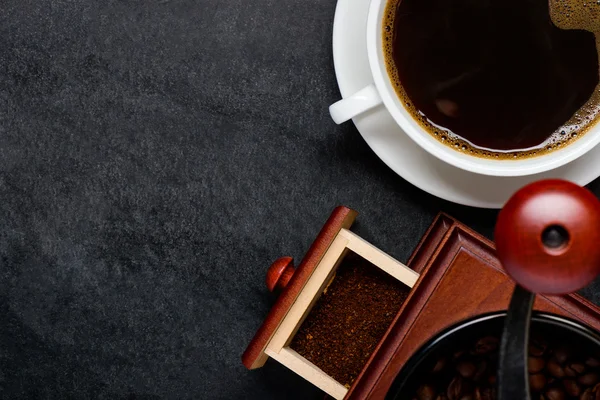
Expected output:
(491, 77)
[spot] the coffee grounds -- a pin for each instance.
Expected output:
(350, 318)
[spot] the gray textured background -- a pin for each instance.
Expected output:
(156, 156)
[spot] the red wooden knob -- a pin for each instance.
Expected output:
(548, 237)
(280, 273)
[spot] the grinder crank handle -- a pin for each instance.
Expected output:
(548, 240)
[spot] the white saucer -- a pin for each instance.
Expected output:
(403, 155)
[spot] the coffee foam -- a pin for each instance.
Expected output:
(575, 14)
(565, 14)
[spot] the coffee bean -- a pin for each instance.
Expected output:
(486, 345)
(455, 389)
(589, 379)
(466, 369)
(426, 392)
(596, 391)
(578, 367)
(485, 394)
(555, 394)
(571, 387)
(535, 364)
(562, 354)
(587, 395)
(555, 369)
(492, 380)
(458, 354)
(440, 365)
(537, 382)
(592, 362)
(481, 370)
(574, 369)
(536, 349)
(442, 396)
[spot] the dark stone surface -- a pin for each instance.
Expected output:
(155, 157)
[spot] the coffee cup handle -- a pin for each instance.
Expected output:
(361, 101)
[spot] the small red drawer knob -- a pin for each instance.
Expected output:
(280, 273)
(548, 237)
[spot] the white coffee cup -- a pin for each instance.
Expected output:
(381, 92)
